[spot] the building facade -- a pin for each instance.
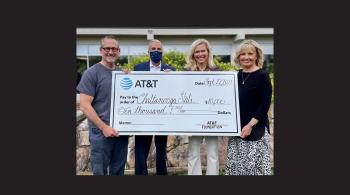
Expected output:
(134, 41)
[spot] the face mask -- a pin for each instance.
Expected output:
(155, 56)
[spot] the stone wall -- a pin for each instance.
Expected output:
(176, 150)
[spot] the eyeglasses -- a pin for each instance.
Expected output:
(114, 49)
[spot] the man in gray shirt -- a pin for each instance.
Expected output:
(108, 150)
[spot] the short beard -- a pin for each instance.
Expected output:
(110, 59)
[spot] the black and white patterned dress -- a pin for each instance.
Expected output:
(248, 157)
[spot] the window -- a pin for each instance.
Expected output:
(122, 60)
(223, 58)
(81, 65)
(96, 59)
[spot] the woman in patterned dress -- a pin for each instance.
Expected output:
(249, 153)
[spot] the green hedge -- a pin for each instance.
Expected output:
(176, 59)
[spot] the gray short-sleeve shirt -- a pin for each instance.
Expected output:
(97, 82)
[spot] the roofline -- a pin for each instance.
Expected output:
(174, 31)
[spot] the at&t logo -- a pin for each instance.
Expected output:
(126, 83)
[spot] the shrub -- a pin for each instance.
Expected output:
(133, 60)
(224, 66)
(177, 60)
(174, 58)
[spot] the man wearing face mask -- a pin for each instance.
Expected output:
(143, 142)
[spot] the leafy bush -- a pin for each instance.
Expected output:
(81, 66)
(224, 66)
(173, 58)
(177, 60)
(133, 60)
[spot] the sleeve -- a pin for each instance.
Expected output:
(167, 66)
(87, 83)
(265, 93)
(137, 67)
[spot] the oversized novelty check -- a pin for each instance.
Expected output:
(175, 103)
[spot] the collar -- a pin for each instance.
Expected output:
(155, 68)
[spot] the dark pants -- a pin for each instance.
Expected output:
(107, 153)
(142, 146)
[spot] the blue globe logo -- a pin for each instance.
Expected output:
(126, 83)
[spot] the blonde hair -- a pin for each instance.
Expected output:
(249, 42)
(190, 60)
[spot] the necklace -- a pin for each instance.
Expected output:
(244, 80)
